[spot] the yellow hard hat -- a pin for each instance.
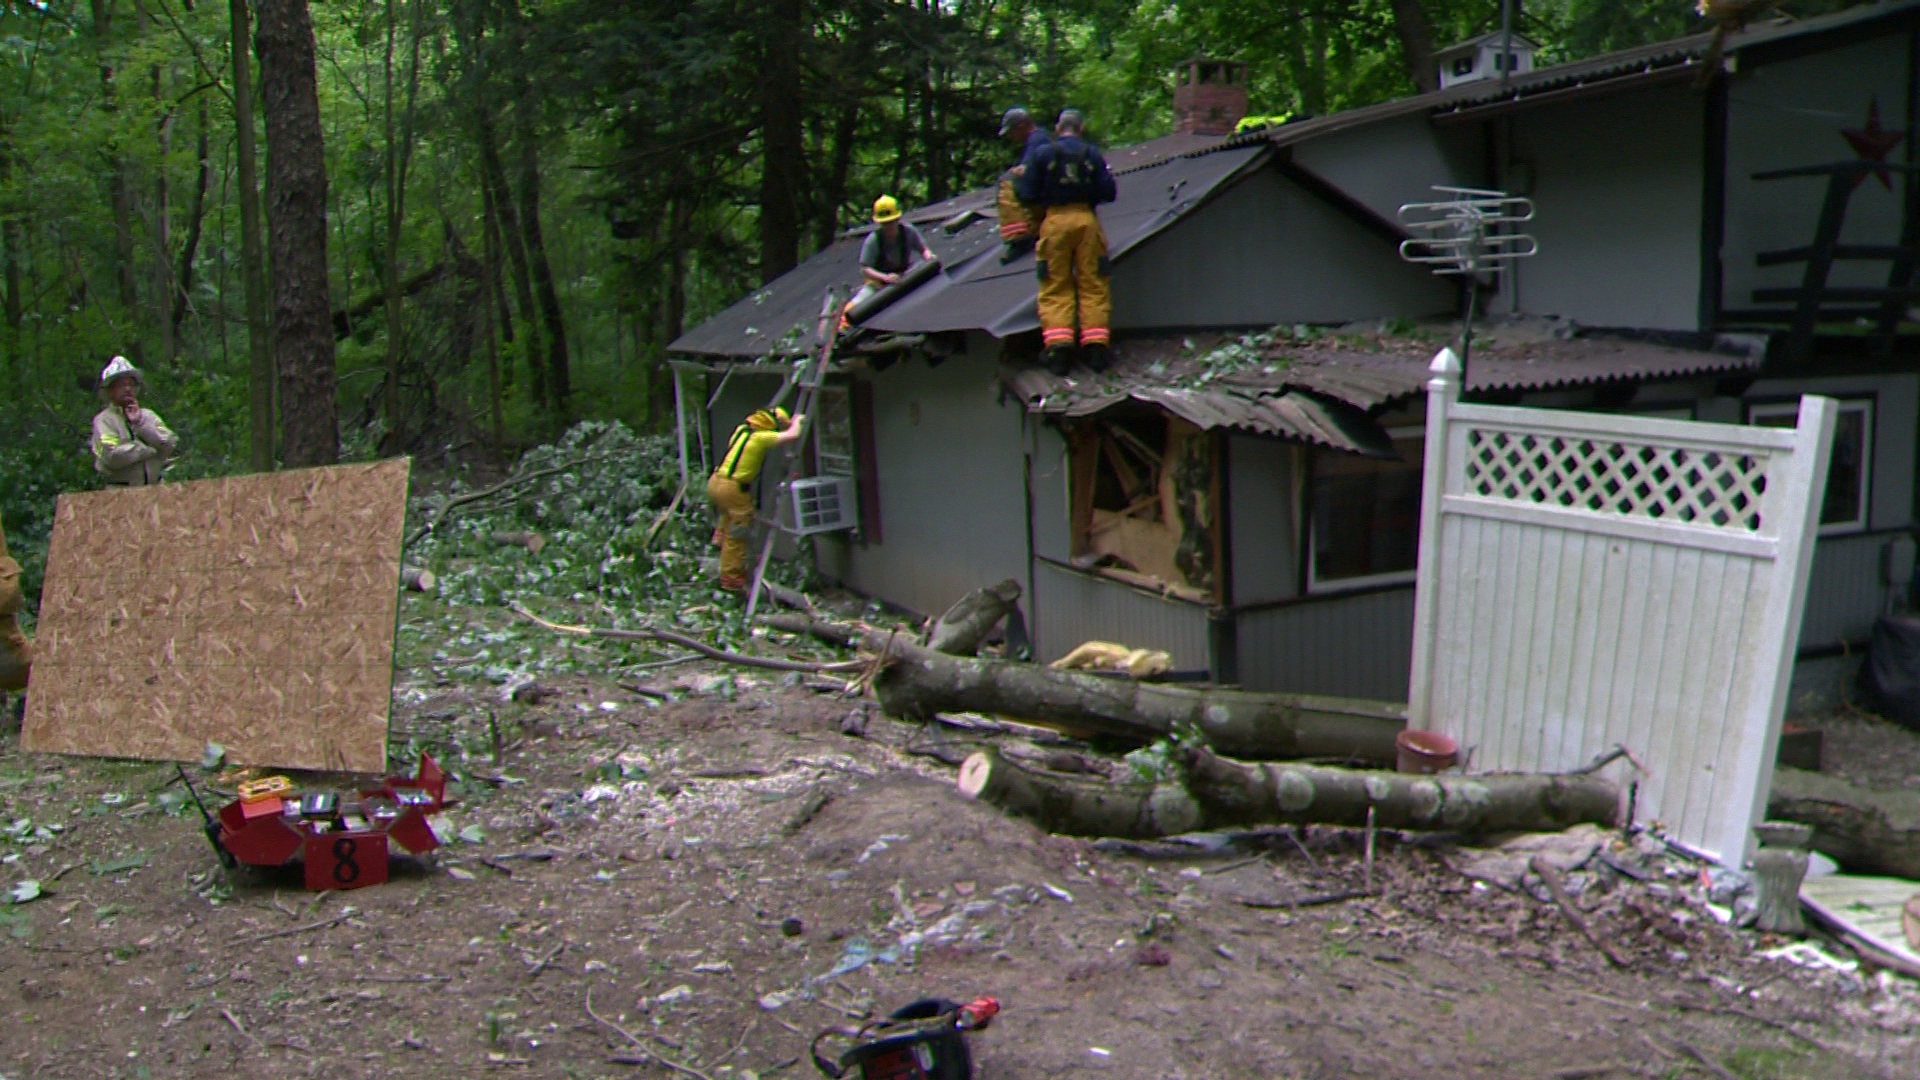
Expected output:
(760, 420)
(886, 208)
(783, 416)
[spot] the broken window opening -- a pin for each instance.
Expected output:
(1145, 496)
(1365, 515)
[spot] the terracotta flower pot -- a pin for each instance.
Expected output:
(1425, 751)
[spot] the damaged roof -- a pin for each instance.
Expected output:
(1165, 178)
(1323, 391)
(1158, 183)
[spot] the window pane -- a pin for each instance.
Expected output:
(1366, 513)
(1845, 502)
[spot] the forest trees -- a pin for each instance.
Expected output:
(488, 217)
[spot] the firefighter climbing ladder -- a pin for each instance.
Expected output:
(806, 380)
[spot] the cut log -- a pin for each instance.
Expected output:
(968, 622)
(1240, 793)
(1223, 794)
(532, 541)
(417, 579)
(1866, 830)
(921, 683)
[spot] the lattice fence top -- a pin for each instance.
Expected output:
(1615, 476)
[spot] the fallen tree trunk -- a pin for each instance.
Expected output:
(919, 682)
(1871, 830)
(417, 579)
(1221, 794)
(968, 622)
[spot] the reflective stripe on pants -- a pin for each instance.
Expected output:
(1073, 252)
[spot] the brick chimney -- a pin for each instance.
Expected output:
(1209, 96)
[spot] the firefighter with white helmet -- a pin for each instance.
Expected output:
(131, 444)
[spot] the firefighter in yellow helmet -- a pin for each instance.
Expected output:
(731, 486)
(131, 444)
(16, 656)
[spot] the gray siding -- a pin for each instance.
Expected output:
(1313, 265)
(1070, 607)
(1844, 594)
(1352, 646)
(1260, 481)
(1616, 183)
(1790, 114)
(952, 512)
(1052, 505)
(1395, 162)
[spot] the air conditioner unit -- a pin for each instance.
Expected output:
(823, 504)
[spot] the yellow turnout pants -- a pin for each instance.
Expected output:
(16, 656)
(734, 505)
(1073, 276)
(1018, 221)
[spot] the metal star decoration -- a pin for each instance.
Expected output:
(1873, 143)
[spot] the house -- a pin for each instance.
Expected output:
(1241, 488)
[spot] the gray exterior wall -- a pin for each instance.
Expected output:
(952, 509)
(1395, 162)
(1616, 183)
(1266, 252)
(1790, 114)
(1351, 645)
(1070, 607)
(1263, 516)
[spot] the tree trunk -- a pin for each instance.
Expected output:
(1866, 830)
(1223, 794)
(846, 128)
(119, 195)
(494, 175)
(163, 279)
(196, 215)
(1416, 43)
(967, 623)
(559, 377)
(262, 378)
(920, 682)
(495, 302)
(297, 229)
(782, 138)
(12, 237)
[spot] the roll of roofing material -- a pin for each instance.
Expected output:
(917, 275)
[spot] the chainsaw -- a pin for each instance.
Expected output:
(921, 1041)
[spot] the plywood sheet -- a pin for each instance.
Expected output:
(252, 611)
(1867, 906)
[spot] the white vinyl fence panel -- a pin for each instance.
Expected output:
(1587, 580)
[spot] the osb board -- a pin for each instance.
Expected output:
(256, 612)
(1868, 906)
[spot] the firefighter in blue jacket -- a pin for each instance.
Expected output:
(1066, 177)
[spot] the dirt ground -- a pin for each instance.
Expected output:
(697, 869)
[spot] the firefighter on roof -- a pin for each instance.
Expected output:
(1019, 222)
(731, 486)
(1066, 177)
(131, 445)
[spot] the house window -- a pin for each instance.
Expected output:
(1849, 473)
(1145, 495)
(833, 431)
(1463, 66)
(1365, 515)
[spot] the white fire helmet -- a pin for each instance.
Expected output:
(118, 367)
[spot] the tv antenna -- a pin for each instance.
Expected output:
(1467, 234)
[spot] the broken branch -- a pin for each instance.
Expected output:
(701, 647)
(1557, 885)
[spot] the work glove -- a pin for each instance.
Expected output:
(1013, 249)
